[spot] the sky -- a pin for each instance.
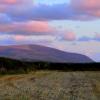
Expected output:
(68, 25)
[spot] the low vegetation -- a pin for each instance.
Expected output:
(51, 85)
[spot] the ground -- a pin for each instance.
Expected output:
(51, 85)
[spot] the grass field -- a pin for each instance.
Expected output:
(51, 85)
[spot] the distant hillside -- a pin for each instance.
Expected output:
(41, 53)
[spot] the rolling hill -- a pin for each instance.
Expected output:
(41, 53)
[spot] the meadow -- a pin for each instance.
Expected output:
(51, 85)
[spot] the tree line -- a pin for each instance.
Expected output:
(16, 66)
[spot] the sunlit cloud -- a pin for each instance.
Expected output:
(27, 28)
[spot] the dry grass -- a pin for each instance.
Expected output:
(51, 85)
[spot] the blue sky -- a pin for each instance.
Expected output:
(51, 1)
(62, 24)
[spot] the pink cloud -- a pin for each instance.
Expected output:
(33, 27)
(88, 7)
(86, 4)
(16, 5)
(70, 36)
(37, 26)
(19, 37)
(8, 1)
(97, 36)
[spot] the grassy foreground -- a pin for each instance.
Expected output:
(51, 85)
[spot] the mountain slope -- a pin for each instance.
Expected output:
(41, 53)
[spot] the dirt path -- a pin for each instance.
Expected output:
(51, 86)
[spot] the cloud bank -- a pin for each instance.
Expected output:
(76, 10)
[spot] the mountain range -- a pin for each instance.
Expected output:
(41, 53)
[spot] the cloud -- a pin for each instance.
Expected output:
(89, 8)
(32, 39)
(87, 38)
(19, 37)
(15, 2)
(86, 4)
(23, 10)
(8, 1)
(97, 37)
(66, 36)
(27, 28)
(69, 36)
(16, 39)
(16, 7)
(40, 12)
